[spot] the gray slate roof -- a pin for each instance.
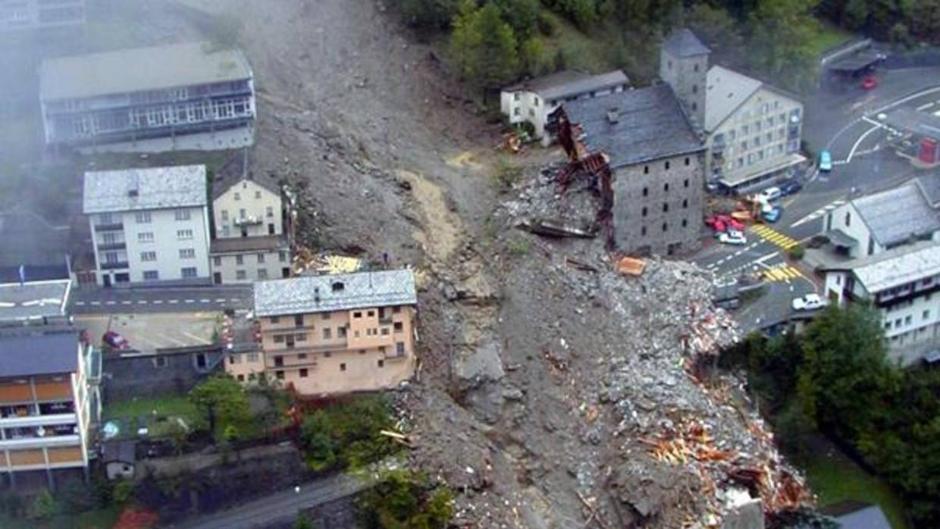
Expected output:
(570, 83)
(726, 90)
(650, 125)
(140, 69)
(895, 215)
(684, 43)
(34, 300)
(38, 354)
(897, 266)
(362, 289)
(157, 188)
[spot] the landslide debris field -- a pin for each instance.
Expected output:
(554, 392)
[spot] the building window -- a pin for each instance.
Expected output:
(241, 213)
(666, 188)
(275, 319)
(384, 331)
(303, 373)
(148, 256)
(695, 68)
(362, 351)
(260, 258)
(160, 361)
(399, 348)
(142, 217)
(241, 274)
(217, 261)
(687, 162)
(848, 219)
(278, 361)
(324, 315)
(234, 359)
(685, 203)
(145, 236)
(238, 196)
(282, 256)
(298, 320)
(341, 332)
(302, 356)
(381, 363)
(907, 320)
(926, 314)
(187, 253)
(694, 106)
(279, 375)
(666, 165)
(665, 207)
(370, 313)
(252, 357)
(184, 234)
(151, 275)
(188, 272)
(241, 378)
(685, 183)
(262, 273)
(239, 259)
(269, 211)
(357, 314)
(685, 223)
(644, 211)
(225, 215)
(396, 309)
(342, 367)
(278, 338)
(643, 231)
(665, 226)
(646, 191)
(398, 326)
(182, 214)
(327, 333)
(646, 169)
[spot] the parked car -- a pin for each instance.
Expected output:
(791, 187)
(115, 340)
(772, 214)
(870, 82)
(722, 223)
(825, 161)
(770, 194)
(809, 302)
(732, 237)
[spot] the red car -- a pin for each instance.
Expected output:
(721, 223)
(870, 82)
(115, 340)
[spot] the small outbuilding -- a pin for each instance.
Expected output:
(119, 459)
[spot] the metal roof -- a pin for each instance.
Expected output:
(726, 90)
(140, 189)
(897, 214)
(34, 300)
(38, 354)
(684, 43)
(569, 83)
(930, 187)
(635, 126)
(300, 295)
(140, 69)
(897, 267)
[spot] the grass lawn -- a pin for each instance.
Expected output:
(835, 478)
(99, 519)
(156, 410)
(828, 37)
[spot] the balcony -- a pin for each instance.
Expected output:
(111, 246)
(39, 442)
(302, 347)
(120, 265)
(250, 220)
(112, 226)
(39, 420)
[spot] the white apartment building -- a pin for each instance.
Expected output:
(149, 225)
(534, 100)
(903, 284)
(252, 228)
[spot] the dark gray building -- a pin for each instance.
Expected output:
(180, 96)
(655, 157)
(683, 65)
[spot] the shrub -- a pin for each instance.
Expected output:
(403, 498)
(347, 434)
(122, 492)
(519, 247)
(43, 507)
(506, 175)
(797, 252)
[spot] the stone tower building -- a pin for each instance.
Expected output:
(683, 64)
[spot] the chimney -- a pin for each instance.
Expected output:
(316, 295)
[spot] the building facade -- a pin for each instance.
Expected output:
(752, 130)
(252, 230)
(337, 334)
(149, 225)
(903, 285)
(534, 100)
(181, 96)
(655, 158)
(18, 15)
(46, 403)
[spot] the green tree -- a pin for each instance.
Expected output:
(844, 373)
(522, 15)
(780, 35)
(347, 434)
(44, 506)
(484, 46)
(303, 522)
(224, 404)
(924, 20)
(535, 58)
(405, 500)
(428, 14)
(856, 14)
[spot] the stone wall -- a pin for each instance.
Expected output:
(127, 375)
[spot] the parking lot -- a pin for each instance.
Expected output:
(149, 332)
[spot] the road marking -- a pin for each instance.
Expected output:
(925, 106)
(126, 302)
(112, 302)
(96, 303)
(782, 272)
(173, 301)
(141, 301)
(773, 236)
(220, 300)
(234, 300)
(204, 300)
(80, 303)
(158, 302)
(861, 138)
(189, 301)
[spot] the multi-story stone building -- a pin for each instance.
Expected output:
(252, 228)
(149, 225)
(180, 96)
(18, 15)
(532, 101)
(333, 334)
(655, 157)
(752, 129)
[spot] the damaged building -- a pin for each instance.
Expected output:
(654, 160)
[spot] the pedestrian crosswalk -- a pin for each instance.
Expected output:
(782, 272)
(773, 236)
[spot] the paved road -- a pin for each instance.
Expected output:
(93, 300)
(278, 508)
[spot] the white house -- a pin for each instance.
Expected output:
(532, 101)
(149, 225)
(903, 284)
(252, 229)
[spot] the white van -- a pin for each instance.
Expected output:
(771, 193)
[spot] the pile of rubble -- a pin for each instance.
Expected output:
(542, 208)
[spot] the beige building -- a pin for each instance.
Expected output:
(252, 229)
(333, 334)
